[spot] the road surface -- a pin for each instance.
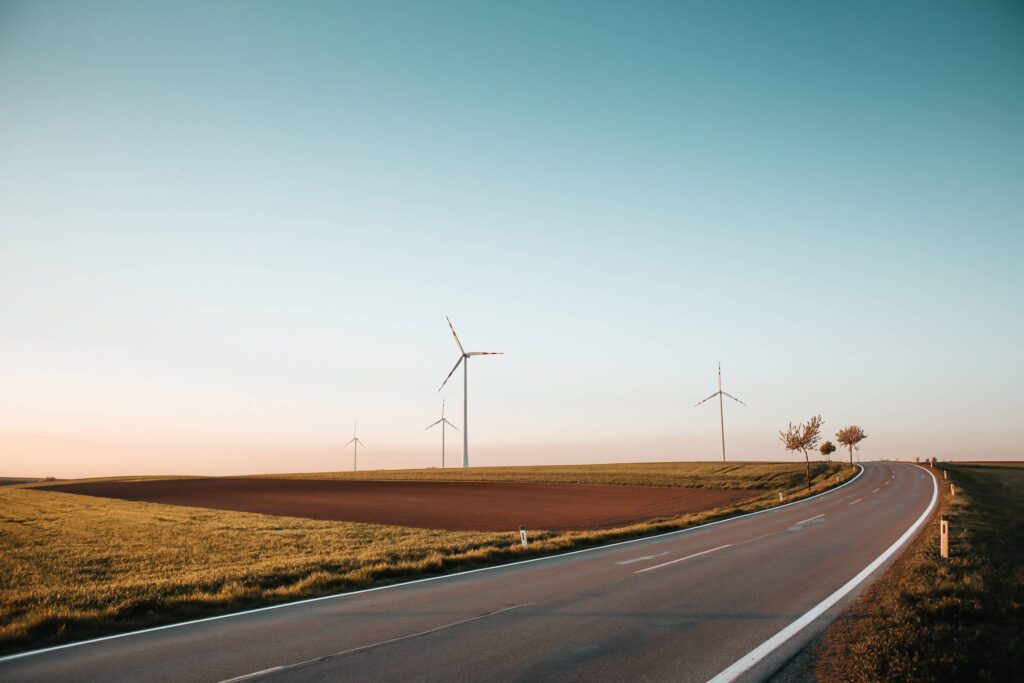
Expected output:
(684, 606)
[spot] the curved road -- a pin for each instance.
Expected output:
(684, 606)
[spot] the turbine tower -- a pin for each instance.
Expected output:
(464, 359)
(721, 410)
(356, 443)
(443, 421)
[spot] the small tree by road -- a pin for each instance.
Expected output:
(803, 437)
(850, 437)
(827, 449)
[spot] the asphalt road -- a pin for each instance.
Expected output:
(679, 607)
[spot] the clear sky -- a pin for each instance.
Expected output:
(228, 230)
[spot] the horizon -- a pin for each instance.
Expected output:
(231, 231)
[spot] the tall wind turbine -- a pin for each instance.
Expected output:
(356, 443)
(443, 421)
(721, 410)
(464, 359)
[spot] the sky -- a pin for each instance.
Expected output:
(230, 230)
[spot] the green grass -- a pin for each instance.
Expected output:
(930, 619)
(80, 566)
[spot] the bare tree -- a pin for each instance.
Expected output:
(850, 437)
(803, 437)
(827, 449)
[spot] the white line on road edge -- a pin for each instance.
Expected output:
(440, 577)
(756, 655)
(810, 520)
(688, 557)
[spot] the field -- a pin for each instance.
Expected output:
(771, 476)
(455, 506)
(930, 619)
(78, 566)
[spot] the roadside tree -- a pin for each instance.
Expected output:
(827, 449)
(803, 437)
(850, 437)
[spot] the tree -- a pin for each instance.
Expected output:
(803, 437)
(850, 437)
(827, 449)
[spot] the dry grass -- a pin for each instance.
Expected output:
(773, 476)
(79, 566)
(930, 619)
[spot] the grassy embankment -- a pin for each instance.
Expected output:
(79, 566)
(930, 619)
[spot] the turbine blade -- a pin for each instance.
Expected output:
(451, 425)
(726, 393)
(461, 358)
(707, 399)
(348, 442)
(461, 350)
(434, 424)
(486, 353)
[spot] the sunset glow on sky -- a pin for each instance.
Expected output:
(230, 230)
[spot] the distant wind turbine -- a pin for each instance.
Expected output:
(721, 410)
(356, 443)
(464, 359)
(443, 421)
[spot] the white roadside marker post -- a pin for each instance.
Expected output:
(780, 496)
(522, 537)
(944, 539)
(945, 475)
(952, 489)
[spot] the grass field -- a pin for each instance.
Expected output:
(738, 475)
(930, 619)
(79, 566)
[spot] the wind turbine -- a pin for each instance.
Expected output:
(356, 443)
(443, 421)
(464, 359)
(721, 410)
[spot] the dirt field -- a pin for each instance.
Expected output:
(455, 506)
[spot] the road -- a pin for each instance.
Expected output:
(684, 606)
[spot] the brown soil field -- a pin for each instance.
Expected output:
(456, 506)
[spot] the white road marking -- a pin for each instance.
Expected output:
(876, 490)
(634, 560)
(382, 642)
(887, 483)
(756, 538)
(688, 557)
(755, 656)
(810, 519)
(856, 501)
(441, 577)
(254, 674)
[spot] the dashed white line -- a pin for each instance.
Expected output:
(634, 560)
(755, 656)
(688, 557)
(254, 674)
(856, 501)
(381, 643)
(876, 490)
(810, 519)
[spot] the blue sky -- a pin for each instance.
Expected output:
(229, 230)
